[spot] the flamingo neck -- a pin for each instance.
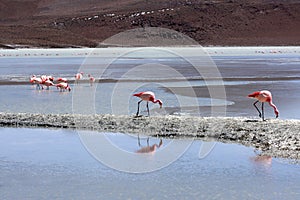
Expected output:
(157, 101)
(275, 108)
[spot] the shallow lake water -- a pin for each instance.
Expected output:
(54, 164)
(241, 75)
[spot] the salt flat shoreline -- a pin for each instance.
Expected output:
(275, 137)
(120, 51)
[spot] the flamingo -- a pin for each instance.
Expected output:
(78, 76)
(45, 78)
(148, 149)
(92, 79)
(62, 80)
(48, 83)
(37, 81)
(147, 96)
(63, 86)
(31, 80)
(263, 96)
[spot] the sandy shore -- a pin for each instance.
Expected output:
(279, 138)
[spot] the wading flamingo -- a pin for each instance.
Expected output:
(37, 81)
(263, 96)
(45, 78)
(48, 83)
(78, 76)
(62, 80)
(63, 86)
(31, 80)
(92, 79)
(147, 96)
(148, 149)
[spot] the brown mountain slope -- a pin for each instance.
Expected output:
(60, 23)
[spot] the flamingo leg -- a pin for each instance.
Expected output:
(254, 104)
(148, 142)
(148, 109)
(138, 110)
(139, 142)
(262, 110)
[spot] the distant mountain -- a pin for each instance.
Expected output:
(76, 23)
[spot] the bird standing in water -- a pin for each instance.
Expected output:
(263, 96)
(63, 86)
(147, 96)
(78, 76)
(91, 79)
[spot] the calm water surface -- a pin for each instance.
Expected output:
(53, 164)
(48, 164)
(241, 75)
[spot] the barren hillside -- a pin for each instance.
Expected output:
(65, 23)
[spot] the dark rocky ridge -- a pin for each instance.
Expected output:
(76, 23)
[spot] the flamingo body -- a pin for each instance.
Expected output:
(37, 81)
(92, 79)
(48, 83)
(63, 86)
(62, 80)
(263, 96)
(147, 96)
(45, 78)
(78, 76)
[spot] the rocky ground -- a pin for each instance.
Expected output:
(69, 23)
(278, 138)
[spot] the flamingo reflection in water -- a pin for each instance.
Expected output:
(262, 159)
(148, 148)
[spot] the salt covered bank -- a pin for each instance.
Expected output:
(279, 138)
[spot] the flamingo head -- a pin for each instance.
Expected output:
(160, 103)
(137, 94)
(69, 89)
(276, 113)
(253, 95)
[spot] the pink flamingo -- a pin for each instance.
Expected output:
(78, 76)
(147, 96)
(92, 79)
(148, 149)
(31, 80)
(63, 86)
(263, 96)
(45, 78)
(48, 83)
(62, 80)
(37, 81)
